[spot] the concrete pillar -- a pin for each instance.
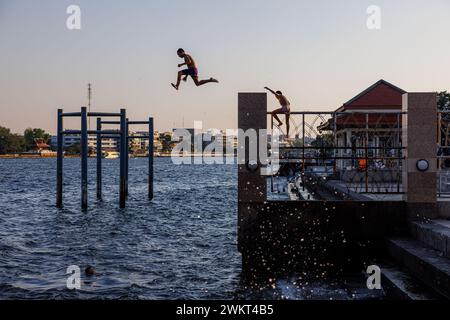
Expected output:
(252, 114)
(419, 126)
(252, 188)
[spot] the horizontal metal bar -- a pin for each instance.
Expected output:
(71, 114)
(110, 137)
(71, 132)
(103, 114)
(344, 158)
(342, 148)
(138, 122)
(343, 112)
(110, 122)
(91, 114)
(381, 192)
(112, 132)
(138, 137)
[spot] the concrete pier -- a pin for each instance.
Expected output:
(277, 237)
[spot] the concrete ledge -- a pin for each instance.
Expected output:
(419, 211)
(279, 237)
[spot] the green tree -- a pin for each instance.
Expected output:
(10, 142)
(31, 134)
(166, 140)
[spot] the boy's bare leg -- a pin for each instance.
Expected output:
(176, 86)
(202, 82)
(287, 124)
(274, 114)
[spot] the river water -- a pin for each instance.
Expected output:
(180, 245)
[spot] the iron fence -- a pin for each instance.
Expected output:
(443, 153)
(340, 154)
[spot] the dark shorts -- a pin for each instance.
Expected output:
(193, 72)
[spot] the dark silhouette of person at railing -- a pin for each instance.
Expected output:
(190, 71)
(285, 108)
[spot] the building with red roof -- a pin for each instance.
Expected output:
(370, 122)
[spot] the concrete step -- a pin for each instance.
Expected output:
(434, 233)
(423, 263)
(399, 285)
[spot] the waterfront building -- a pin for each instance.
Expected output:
(375, 111)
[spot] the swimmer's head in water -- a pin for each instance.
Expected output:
(89, 271)
(181, 53)
(279, 92)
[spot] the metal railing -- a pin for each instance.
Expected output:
(352, 151)
(443, 154)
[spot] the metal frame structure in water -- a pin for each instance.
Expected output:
(122, 135)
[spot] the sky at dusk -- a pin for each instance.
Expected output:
(319, 53)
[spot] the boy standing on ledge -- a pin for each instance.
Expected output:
(190, 71)
(285, 108)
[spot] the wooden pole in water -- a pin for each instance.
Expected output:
(150, 158)
(123, 141)
(59, 160)
(99, 159)
(84, 159)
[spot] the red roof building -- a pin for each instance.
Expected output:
(369, 121)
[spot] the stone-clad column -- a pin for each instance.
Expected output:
(419, 127)
(252, 188)
(252, 115)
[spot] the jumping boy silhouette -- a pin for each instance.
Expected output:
(190, 71)
(285, 108)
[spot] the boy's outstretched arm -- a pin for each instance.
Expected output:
(273, 92)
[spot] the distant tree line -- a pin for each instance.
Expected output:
(16, 143)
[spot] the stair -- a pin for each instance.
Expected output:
(434, 233)
(424, 263)
(399, 285)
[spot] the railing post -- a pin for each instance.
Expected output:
(150, 157)
(99, 159)
(59, 160)
(84, 159)
(366, 155)
(336, 152)
(123, 141)
(399, 152)
(127, 154)
(303, 152)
